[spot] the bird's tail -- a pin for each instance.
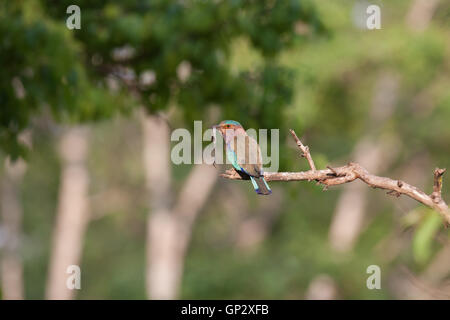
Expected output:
(260, 185)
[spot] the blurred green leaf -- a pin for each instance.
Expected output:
(424, 236)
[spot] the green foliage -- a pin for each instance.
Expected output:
(42, 69)
(244, 58)
(164, 34)
(423, 243)
(48, 65)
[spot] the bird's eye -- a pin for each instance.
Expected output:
(227, 126)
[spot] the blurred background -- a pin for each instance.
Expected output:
(86, 177)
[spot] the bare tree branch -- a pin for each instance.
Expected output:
(437, 187)
(352, 171)
(305, 150)
(350, 212)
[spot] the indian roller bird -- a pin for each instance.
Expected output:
(244, 154)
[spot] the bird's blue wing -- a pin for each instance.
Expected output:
(232, 157)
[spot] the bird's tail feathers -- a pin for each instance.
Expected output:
(260, 185)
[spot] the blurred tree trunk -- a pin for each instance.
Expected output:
(160, 226)
(349, 215)
(11, 213)
(439, 268)
(169, 230)
(372, 151)
(405, 284)
(322, 287)
(253, 229)
(420, 14)
(72, 214)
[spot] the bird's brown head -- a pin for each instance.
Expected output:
(228, 127)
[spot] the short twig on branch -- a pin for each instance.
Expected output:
(352, 171)
(305, 149)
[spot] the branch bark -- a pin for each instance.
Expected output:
(374, 152)
(352, 171)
